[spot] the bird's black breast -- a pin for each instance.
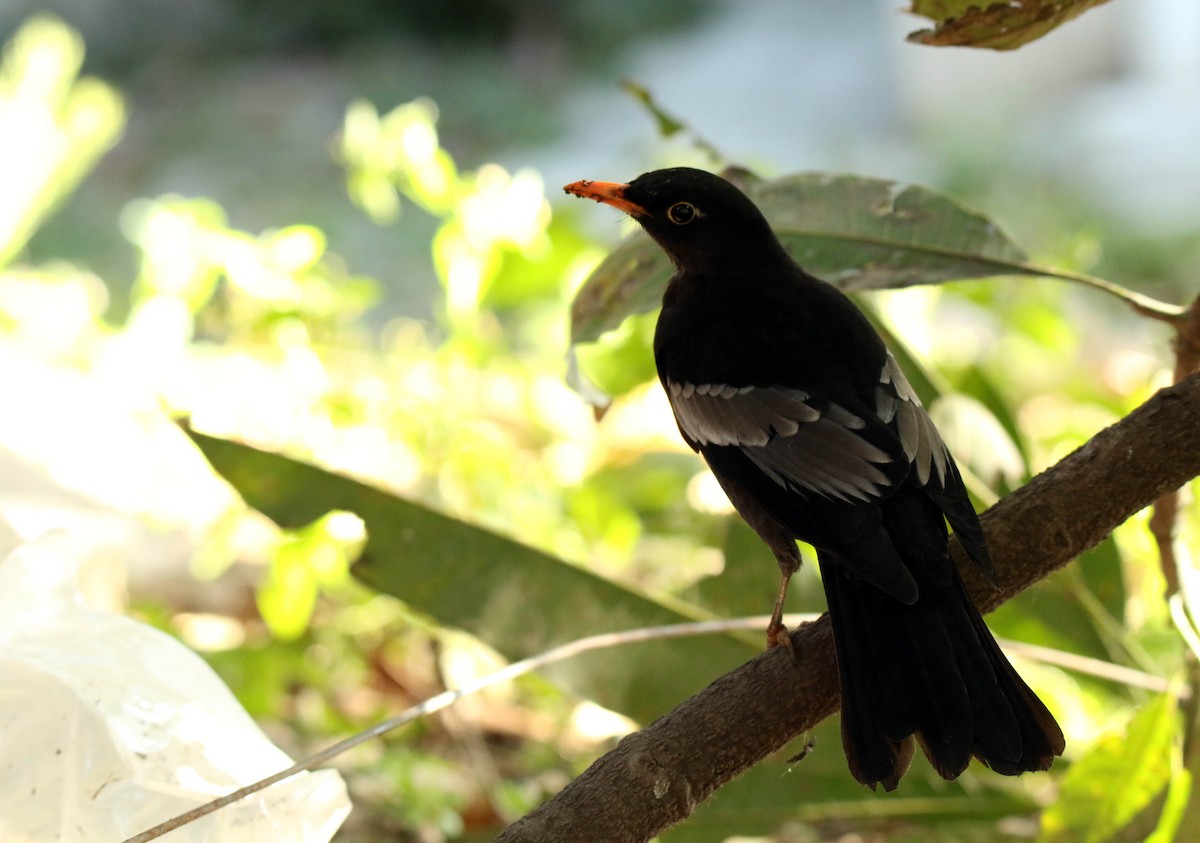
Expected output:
(786, 330)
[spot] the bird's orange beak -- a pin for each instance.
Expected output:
(608, 192)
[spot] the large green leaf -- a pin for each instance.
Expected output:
(517, 599)
(857, 232)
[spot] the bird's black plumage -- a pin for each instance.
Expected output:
(814, 432)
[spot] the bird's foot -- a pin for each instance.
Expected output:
(777, 636)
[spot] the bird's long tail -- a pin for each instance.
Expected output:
(929, 671)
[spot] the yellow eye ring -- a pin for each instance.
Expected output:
(681, 213)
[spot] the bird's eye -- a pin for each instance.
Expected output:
(681, 213)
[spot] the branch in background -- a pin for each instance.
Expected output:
(1166, 509)
(1183, 591)
(657, 777)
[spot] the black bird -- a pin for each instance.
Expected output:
(814, 433)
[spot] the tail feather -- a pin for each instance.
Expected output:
(945, 721)
(930, 671)
(868, 721)
(1041, 739)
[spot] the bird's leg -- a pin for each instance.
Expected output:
(789, 563)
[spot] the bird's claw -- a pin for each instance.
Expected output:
(777, 636)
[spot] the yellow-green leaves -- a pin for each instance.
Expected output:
(55, 126)
(1131, 775)
(495, 225)
(396, 153)
(278, 279)
(498, 214)
(306, 561)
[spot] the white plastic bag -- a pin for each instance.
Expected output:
(109, 727)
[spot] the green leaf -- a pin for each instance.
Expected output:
(288, 594)
(996, 26)
(65, 124)
(1120, 777)
(621, 359)
(314, 557)
(519, 600)
(856, 232)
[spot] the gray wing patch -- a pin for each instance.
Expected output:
(897, 405)
(716, 414)
(790, 440)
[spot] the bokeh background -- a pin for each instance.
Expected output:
(334, 230)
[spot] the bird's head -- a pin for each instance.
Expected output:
(702, 221)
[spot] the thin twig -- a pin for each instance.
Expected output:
(1183, 623)
(447, 698)
(1164, 517)
(669, 124)
(1086, 665)
(1165, 514)
(1071, 661)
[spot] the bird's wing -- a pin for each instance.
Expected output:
(802, 442)
(897, 405)
(811, 443)
(847, 453)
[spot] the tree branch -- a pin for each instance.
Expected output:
(660, 775)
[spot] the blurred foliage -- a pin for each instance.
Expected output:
(55, 123)
(328, 23)
(460, 437)
(1146, 758)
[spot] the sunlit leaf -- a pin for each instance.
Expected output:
(996, 26)
(288, 595)
(295, 248)
(857, 232)
(54, 126)
(396, 152)
(1121, 775)
(526, 276)
(313, 557)
(517, 599)
(620, 359)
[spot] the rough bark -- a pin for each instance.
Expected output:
(655, 778)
